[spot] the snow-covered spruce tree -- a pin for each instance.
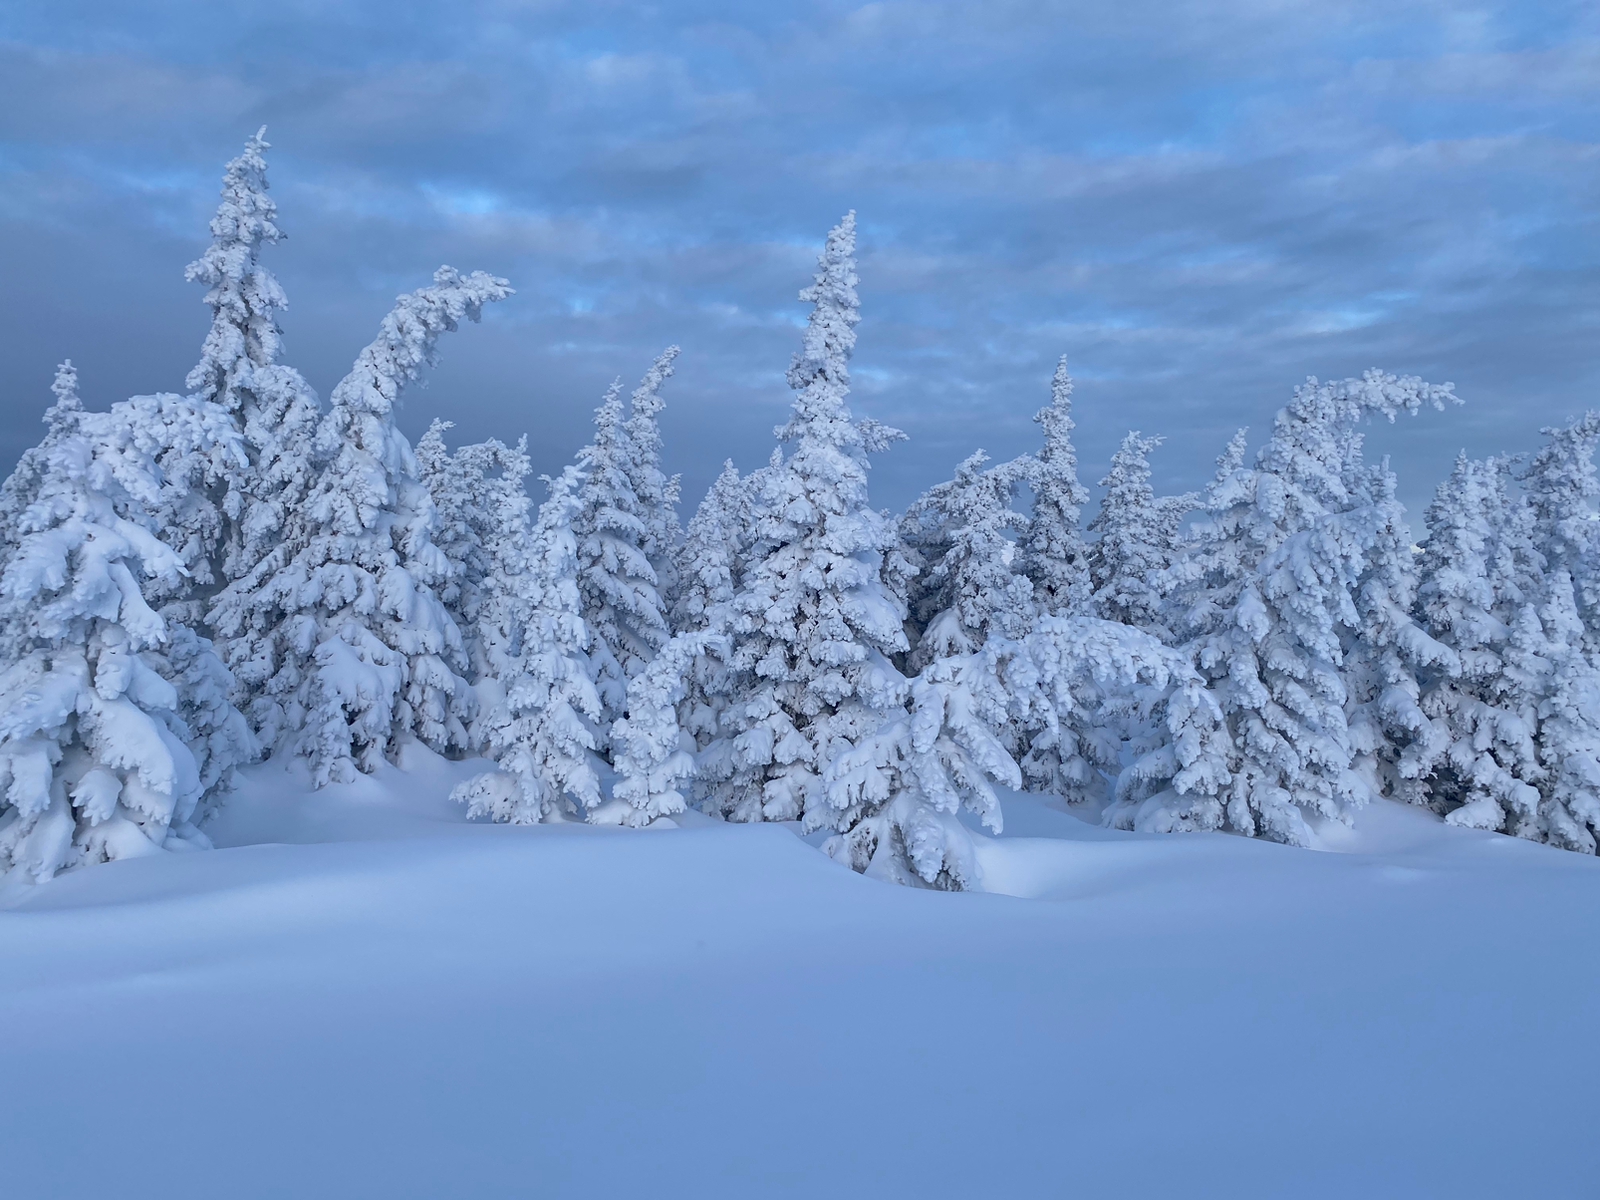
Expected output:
(1265, 594)
(480, 504)
(1561, 485)
(21, 487)
(1137, 540)
(1476, 595)
(656, 493)
(364, 653)
(616, 580)
(653, 756)
(1569, 726)
(815, 621)
(1056, 557)
(898, 792)
(237, 523)
(96, 759)
(538, 708)
(1388, 656)
(970, 585)
(708, 576)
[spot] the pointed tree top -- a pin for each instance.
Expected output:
(647, 396)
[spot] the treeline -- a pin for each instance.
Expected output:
(192, 582)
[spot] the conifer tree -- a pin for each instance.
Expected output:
(657, 495)
(480, 502)
(97, 760)
(1057, 560)
(653, 757)
(365, 653)
(238, 524)
(707, 572)
(1561, 484)
(1265, 597)
(538, 710)
(815, 622)
(617, 582)
(1137, 543)
(1476, 597)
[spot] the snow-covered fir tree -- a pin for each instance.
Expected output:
(538, 707)
(1569, 725)
(97, 760)
(1561, 485)
(236, 525)
(708, 576)
(1137, 538)
(480, 503)
(1477, 591)
(1265, 593)
(651, 752)
(970, 584)
(364, 653)
(817, 617)
(21, 487)
(617, 582)
(1057, 559)
(1387, 655)
(656, 493)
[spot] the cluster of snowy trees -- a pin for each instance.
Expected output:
(191, 582)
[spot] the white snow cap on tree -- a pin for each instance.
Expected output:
(21, 487)
(1137, 542)
(365, 653)
(1057, 559)
(96, 759)
(1266, 594)
(1562, 485)
(815, 621)
(538, 708)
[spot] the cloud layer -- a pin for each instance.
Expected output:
(1199, 204)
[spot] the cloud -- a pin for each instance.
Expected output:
(1200, 203)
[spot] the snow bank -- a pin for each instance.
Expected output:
(381, 999)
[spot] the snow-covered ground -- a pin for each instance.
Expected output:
(360, 994)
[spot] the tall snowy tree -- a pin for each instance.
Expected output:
(1479, 583)
(1137, 540)
(538, 708)
(656, 493)
(1569, 726)
(653, 755)
(238, 523)
(362, 652)
(97, 760)
(897, 793)
(1265, 595)
(971, 584)
(1562, 484)
(815, 622)
(1387, 655)
(22, 486)
(480, 502)
(622, 603)
(1057, 559)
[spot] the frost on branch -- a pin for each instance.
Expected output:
(101, 757)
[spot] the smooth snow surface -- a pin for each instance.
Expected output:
(363, 995)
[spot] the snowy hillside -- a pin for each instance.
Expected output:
(361, 994)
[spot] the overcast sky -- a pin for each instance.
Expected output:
(1199, 203)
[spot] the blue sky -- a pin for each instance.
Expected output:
(1199, 203)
